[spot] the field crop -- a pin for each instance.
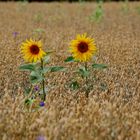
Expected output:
(112, 110)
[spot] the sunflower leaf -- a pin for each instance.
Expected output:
(74, 85)
(28, 101)
(83, 72)
(70, 59)
(35, 77)
(27, 90)
(57, 68)
(39, 30)
(45, 70)
(99, 66)
(27, 67)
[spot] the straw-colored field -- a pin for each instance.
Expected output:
(112, 111)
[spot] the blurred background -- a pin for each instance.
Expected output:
(64, 0)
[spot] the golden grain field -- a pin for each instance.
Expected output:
(110, 113)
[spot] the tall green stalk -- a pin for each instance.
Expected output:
(43, 81)
(86, 80)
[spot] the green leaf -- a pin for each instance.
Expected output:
(70, 59)
(57, 68)
(39, 30)
(28, 101)
(97, 15)
(38, 17)
(27, 90)
(27, 67)
(83, 72)
(99, 66)
(45, 70)
(103, 86)
(74, 85)
(35, 77)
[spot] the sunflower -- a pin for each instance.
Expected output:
(82, 48)
(32, 50)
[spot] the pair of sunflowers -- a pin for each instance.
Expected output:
(82, 48)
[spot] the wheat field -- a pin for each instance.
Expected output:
(112, 111)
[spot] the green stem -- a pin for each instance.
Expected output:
(86, 81)
(43, 81)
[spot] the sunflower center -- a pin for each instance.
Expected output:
(82, 47)
(34, 49)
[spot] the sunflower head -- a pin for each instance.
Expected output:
(32, 50)
(82, 48)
